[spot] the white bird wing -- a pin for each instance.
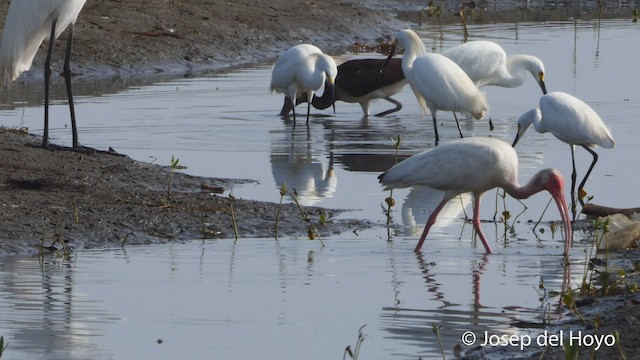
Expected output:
(27, 24)
(284, 70)
(465, 165)
(479, 59)
(446, 86)
(573, 121)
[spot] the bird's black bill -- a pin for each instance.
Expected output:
(391, 54)
(543, 87)
(515, 141)
(332, 88)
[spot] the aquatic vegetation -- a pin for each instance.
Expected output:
(312, 231)
(356, 352)
(436, 330)
(174, 165)
(390, 201)
(3, 346)
(283, 192)
(233, 215)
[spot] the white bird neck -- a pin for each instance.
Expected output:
(531, 117)
(413, 47)
(319, 70)
(517, 68)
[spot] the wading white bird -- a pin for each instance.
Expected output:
(486, 63)
(437, 81)
(572, 121)
(474, 165)
(360, 81)
(303, 69)
(28, 24)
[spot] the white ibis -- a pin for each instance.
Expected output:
(571, 121)
(437, 81)
(474, 165)
(486, 63)
(360, 81)
(28, 24)
(303, 69)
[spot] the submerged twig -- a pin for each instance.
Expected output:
(233, 216)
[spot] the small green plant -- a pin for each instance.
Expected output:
(356, 351)
(569, 300)
(616, 334)
(63, 252)
(174, 165)
(571, 351)
(432, 10)
(390, 201)
(283, 192)
(634, 13)
(3, 346)
(465, 31)
(436, 330)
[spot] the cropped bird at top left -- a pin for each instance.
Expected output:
(301, 69)
(28, 24)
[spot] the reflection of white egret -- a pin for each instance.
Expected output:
(474, 165)
(303, 69)
(572, 121)
(303, 168)
(27, 25)
(437, 81)
(421, 201)
(486, 63)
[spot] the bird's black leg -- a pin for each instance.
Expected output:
(308, 111)
(47, 78)
(293, 110)
(573, 183)
(67, 80)
(458, 124)
(593, 163)
(435, 127)
(393, 101)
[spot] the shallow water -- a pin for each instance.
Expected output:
(236, 300)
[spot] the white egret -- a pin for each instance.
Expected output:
(360, 81)
(571, 121)
(28, 24)
(437, 81)
(474, 165)
(486, 63)
(303, 69)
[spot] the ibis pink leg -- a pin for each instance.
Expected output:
(476, 223)
(430, 222)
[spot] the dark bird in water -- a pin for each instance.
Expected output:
(360, 81)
